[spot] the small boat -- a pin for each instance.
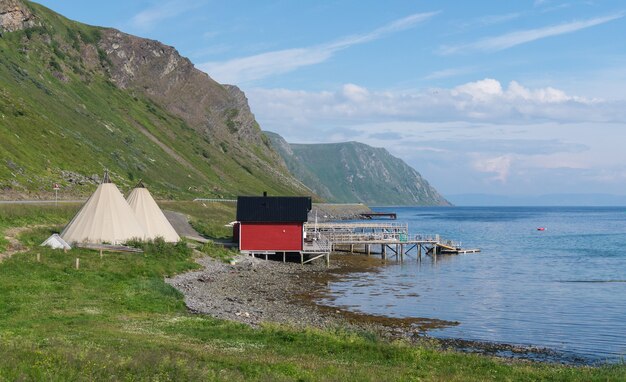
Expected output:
(541, 228)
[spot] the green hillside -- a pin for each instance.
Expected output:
(354, 172)
(67, 112)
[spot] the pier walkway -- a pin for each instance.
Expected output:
(386, 239)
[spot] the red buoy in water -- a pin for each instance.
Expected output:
(541, 228)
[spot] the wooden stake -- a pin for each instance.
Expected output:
(77, 263)
(100, 252)
(38, 257)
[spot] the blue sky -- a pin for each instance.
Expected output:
(504, 97)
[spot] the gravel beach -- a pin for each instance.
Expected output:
(253, 291)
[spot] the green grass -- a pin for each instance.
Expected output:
(116, 319)
(22, 215)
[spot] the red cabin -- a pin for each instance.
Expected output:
(269, 224)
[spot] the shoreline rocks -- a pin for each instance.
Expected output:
(254, 291)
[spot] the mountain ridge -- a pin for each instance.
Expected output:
(355, 172)
(78, 99)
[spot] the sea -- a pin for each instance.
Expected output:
(562, 288)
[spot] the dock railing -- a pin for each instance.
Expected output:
(317, 244)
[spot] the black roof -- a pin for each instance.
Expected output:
(273, 208)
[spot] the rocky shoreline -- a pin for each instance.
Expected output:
(254, 291)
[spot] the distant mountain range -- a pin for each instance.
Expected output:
(76, 99)
(355, 172)
(538, 200)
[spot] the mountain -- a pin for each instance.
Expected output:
(354, 172)
(76, 99)
(590, 200)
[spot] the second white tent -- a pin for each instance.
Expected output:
(150, 216)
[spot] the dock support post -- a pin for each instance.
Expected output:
(401, 252)
(351, 248)
(266, 257)
(328, 260)
(284, 257)
(368, 249)
(301, 258)
(384, 251)
(419, 251)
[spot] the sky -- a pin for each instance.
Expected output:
(520, 97)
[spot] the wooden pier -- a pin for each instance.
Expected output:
(386, 239)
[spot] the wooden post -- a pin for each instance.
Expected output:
(419, 251)
(328, 260)
(384, 250)
(401, 252)
(39, 257)
(77, 263)
(101, 255)
(301, 258)
(351, 248)
(265, 256)
(369, 249)
(284, 257)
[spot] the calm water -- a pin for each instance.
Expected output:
(563, 288)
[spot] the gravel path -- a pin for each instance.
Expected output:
(181, 225)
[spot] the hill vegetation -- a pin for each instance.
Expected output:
(76, 99)
(354, 172)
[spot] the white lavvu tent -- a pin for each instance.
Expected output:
(56, 242)
(105, 218)
(150, 215)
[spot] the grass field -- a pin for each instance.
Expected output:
(116, 319)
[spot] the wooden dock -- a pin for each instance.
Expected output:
(386, 239)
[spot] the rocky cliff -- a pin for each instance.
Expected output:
(14, 16)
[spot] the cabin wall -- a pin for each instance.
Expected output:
(279, 237)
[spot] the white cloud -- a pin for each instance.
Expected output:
(509, 40)
(149, 17)
(500, 166)
(447, 73)
(480, 101)
(240, 70)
